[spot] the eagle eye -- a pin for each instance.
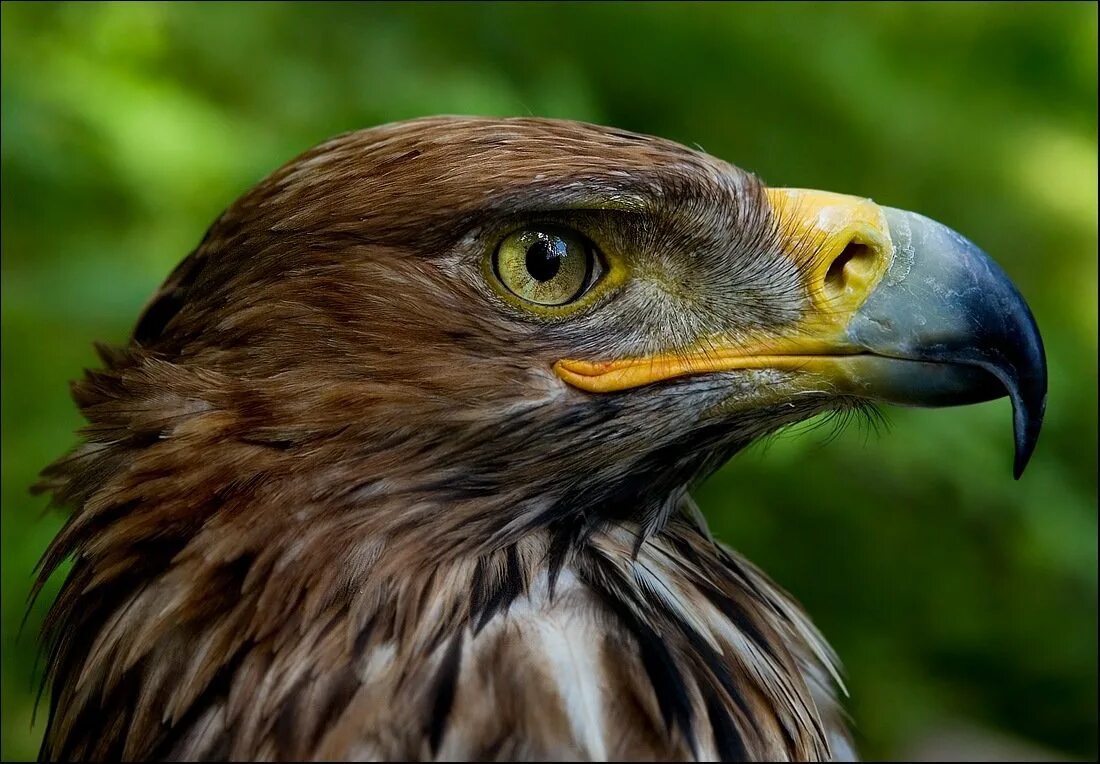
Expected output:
(548, 266)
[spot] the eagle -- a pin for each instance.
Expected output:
(396, 463)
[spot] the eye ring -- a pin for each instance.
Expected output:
(547, 266)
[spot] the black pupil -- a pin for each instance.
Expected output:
(544, 258)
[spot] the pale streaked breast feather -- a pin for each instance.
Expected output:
(563, 675)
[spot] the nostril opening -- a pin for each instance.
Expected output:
(853, 261)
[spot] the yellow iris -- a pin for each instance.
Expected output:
(545, 266)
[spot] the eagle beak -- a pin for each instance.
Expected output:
(904, 310)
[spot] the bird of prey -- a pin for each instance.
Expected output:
(396, 462)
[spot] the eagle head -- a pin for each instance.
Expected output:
(433, 382)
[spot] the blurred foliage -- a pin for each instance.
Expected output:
(950, 590)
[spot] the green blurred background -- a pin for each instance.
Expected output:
(963, 603)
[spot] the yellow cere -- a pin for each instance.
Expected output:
(851, 243)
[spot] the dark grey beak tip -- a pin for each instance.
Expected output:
(1028, 410)
(1028, 391)
(1008, 344)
